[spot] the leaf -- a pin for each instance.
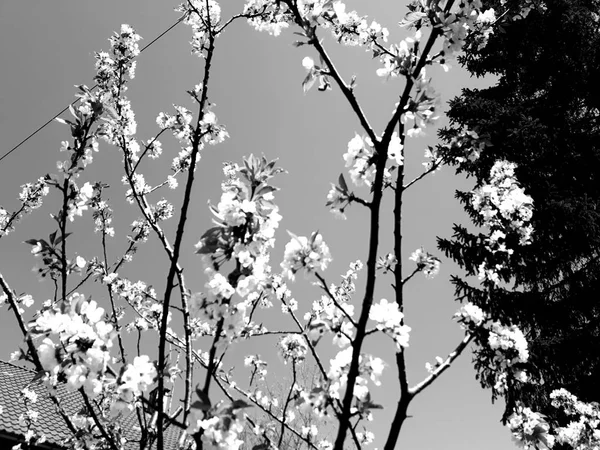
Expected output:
(38, 376)
(298, 43)
(60, 238)
(342, 183)
(240, 404)
(411, 18)
(210, 241)
(51, 237)
(203, 404)
(265, 190)
(199, 405)
(309, 81)
(292, 235)
(31, 241)
(63, 121)
(72, 110)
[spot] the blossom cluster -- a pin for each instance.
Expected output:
(140, 296)
(293, 348)
(456, 25)
(506, 210)
(422, 108)
(85, 137)
(80, 204)
(347, 27)
(582, 432)
(133, 381)
(470, 316)
(246, 219)
(339, 197)
(400, 59)
(360, 158)
(31, 198)
(119, 62)
(29, 419)
(203, 16)
(102, 215)
(305, 253)
(510, 351)
(333, 312)
(426, 262)
(370, 368)
(390, 320)
(327, 316)
(529, 428)
(75, 343)
(113, 70)
(267, 15)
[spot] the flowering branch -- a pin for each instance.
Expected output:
(92, 412)
(347, 91)
(333, 298)
(32, 350)
(13, 304)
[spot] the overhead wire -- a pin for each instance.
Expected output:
(40, 128)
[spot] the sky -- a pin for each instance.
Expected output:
(47, 47)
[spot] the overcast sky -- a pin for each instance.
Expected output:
(47, 47)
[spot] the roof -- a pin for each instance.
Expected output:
(13, 379)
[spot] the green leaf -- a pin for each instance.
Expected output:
(60, 238)
(210, 241)
(38, 376)
(73, 112)
(265, 190)
(412, 18)
(63, 121)
(203, 404)
(342, 183)
(199, 405)
(240, 404)
(309, 81)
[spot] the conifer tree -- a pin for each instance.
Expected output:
(542, 114)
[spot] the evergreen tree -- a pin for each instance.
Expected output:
(542, 114)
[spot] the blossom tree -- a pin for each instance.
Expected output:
(74, 341)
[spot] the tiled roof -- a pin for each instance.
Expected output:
(12, 381)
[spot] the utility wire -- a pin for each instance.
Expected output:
(93, 87)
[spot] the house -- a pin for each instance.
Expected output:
(13, 379)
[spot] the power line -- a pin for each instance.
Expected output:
(94, 87)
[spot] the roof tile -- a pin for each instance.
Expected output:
(13, 379)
